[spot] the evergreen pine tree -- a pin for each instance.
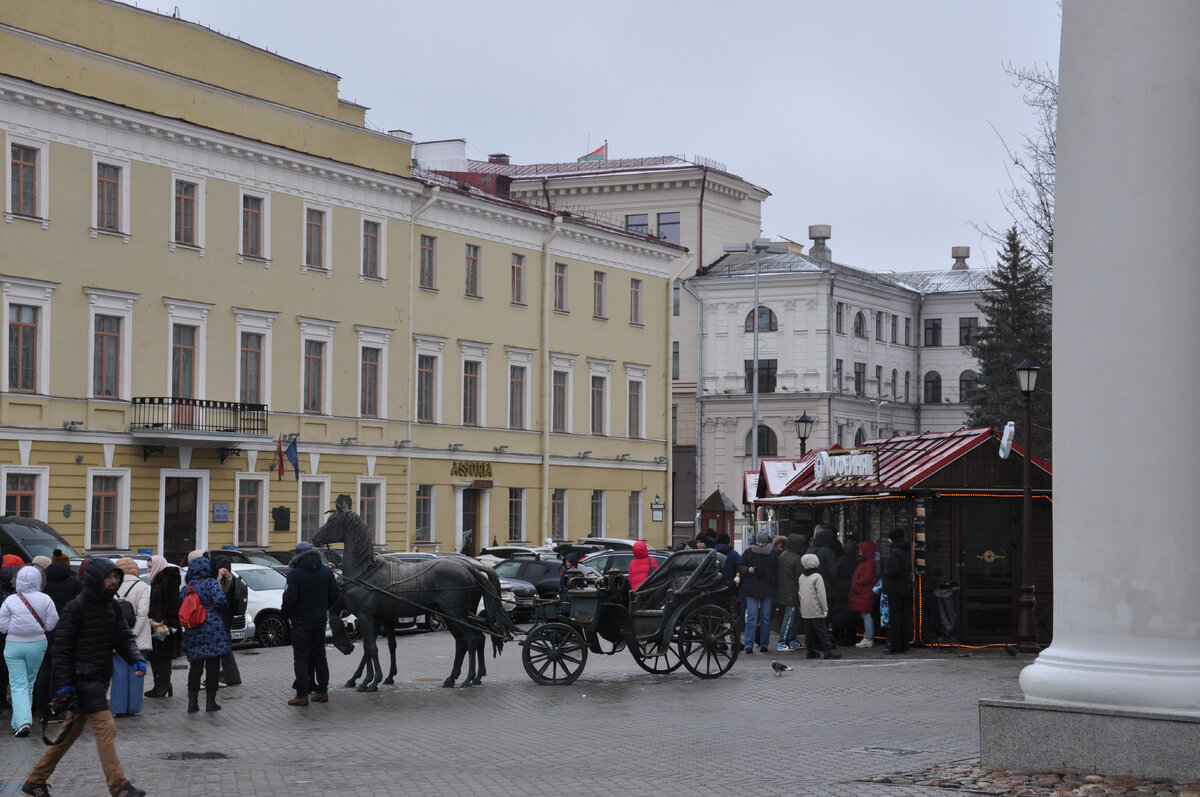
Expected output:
(1017, 326)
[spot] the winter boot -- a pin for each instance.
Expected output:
(193, 701)
(127, 789)
(211, 704)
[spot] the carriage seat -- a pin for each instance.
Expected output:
(684, 573)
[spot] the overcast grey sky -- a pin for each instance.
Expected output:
(880, 118)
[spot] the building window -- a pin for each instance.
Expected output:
(368, 406)
(558, 514)
(968, 330)
(908, 332)
(423, 513)
(371, 231)
(558, 407)
(839, 319)
(767, 320)
(470, 398)
(312, 506)
(907, 386)
(596, 516)
(637, 223)
(368, 507)
(183, 361)
(108, 197)
(428, 262)
(879, 381)
(635, 301)
(635, 515)
(895, 379)
(860, 379)
(20, 494)
(185, 213)
(105, 499)
(314, 361)
(968, 384)
(878, 325)
(250, 368)
(560, 287)
(315, 235)
(895, 319)
(516, 397)
(668, 227)
(838, 386)
(255, 224)
(768, 444)
(766, 375)
(933, 388)
(860, 325)
(599, 298)
(676, 290)
(518, 279)
(249, 511)
(24, 187)
(23, 348)
(933, 332)
(635, 409)
(426, 368)
(516, 514)
(674, 359)
(472, 272)
(860, 437)
(674, 424)
(599, 408)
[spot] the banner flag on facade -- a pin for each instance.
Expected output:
(600, 154)
(279, 454)
(293, 458)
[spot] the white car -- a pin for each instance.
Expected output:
(265, 622)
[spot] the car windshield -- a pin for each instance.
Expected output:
(42, 547)
(508, 568)
(261, 559)
(267, 578)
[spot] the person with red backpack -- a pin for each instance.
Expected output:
(207, 641)
(641, 565)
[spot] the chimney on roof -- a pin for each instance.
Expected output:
(819, 234)
(498, 157)
(960, 255)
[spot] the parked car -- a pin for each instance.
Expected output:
(507, 551)
(248, 556)
(264, 621)
(612, 543)
(542, 573)
(606, 561)
(28, 538)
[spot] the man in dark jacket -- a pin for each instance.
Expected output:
(90, 629)
(756, 576)
(311, 590)
(787, 593)
(897, 585)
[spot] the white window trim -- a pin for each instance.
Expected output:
(566, 513)
(521, 525)
(380, 504)
(41, 487)
(603, 513)
(200, 215)
(636, 532)
(324, 481)
(373, 338)
(195, 314)
(362, 236)
(564, 363)
(203, 513)
(432, 514)
(43, 179)
(566, 275)
(326, 239)
(637, 308)
(317, 329)
(256, 322)
(522, 358)
(123, 210)
(120, 305)
(473, 351)
(598, 367)
(122, 538)
(637, 373)
(35, 293)
(430, 346)
(265, 196)
(264, 513)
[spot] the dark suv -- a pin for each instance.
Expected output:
(542, 573)
(28, 538)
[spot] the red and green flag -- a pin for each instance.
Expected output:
(599, 154)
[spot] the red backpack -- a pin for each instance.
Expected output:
(192, 612)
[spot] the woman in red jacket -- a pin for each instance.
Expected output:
(862, 595)
(641, 564)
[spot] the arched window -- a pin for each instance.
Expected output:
(767, 444)
(860, 325)
(767, 322)
(933, 388)
(860, 437)
(968, 384)
(894, 386)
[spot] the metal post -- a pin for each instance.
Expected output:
(1026, 624)
(754, 407)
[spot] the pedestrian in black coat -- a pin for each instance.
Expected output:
(311, 590)
(897, 585)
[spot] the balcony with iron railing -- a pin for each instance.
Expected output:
(195, 420)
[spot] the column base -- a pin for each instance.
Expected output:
(1017, 734)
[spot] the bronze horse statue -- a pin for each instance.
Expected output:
(375, 587)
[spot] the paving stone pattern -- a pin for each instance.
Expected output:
(825, 728)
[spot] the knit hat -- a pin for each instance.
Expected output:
(810, 561)
(722, 539)
(896, 534)
(59, 558)
(303, 546)
(762, 538)
(41, 561)
(12, 560)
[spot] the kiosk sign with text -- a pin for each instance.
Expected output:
(857, 466)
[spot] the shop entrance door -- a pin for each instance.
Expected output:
(179, 517)
(988, 562)
(470, 521)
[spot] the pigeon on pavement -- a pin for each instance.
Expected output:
(780, 668)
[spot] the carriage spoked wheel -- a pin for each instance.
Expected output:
(554, 654)
(646, 654)
(708, 641)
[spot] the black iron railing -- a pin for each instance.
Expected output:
(169, 413)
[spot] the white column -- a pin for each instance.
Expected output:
(1126, 372)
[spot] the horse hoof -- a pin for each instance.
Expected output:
(466, 684)
(350, 684)
(448, 683)
(363, 688)
(372, 688)
(477, 682)
(389, 681)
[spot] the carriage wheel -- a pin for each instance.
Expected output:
(645, 653)
(554, 654)
(708, 640)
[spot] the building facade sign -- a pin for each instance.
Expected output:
(857, 466)
(471, 470)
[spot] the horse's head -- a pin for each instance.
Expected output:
(333, 530)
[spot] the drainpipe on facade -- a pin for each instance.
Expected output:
(547, 376)
(699, 403)
(430, 198)
(919, 334)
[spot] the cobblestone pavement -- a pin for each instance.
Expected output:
(817, 730)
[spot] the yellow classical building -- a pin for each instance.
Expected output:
(207, 257)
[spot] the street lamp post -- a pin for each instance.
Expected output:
(804, 425)
(1027, 374)
(757, 246)
(877, 403)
